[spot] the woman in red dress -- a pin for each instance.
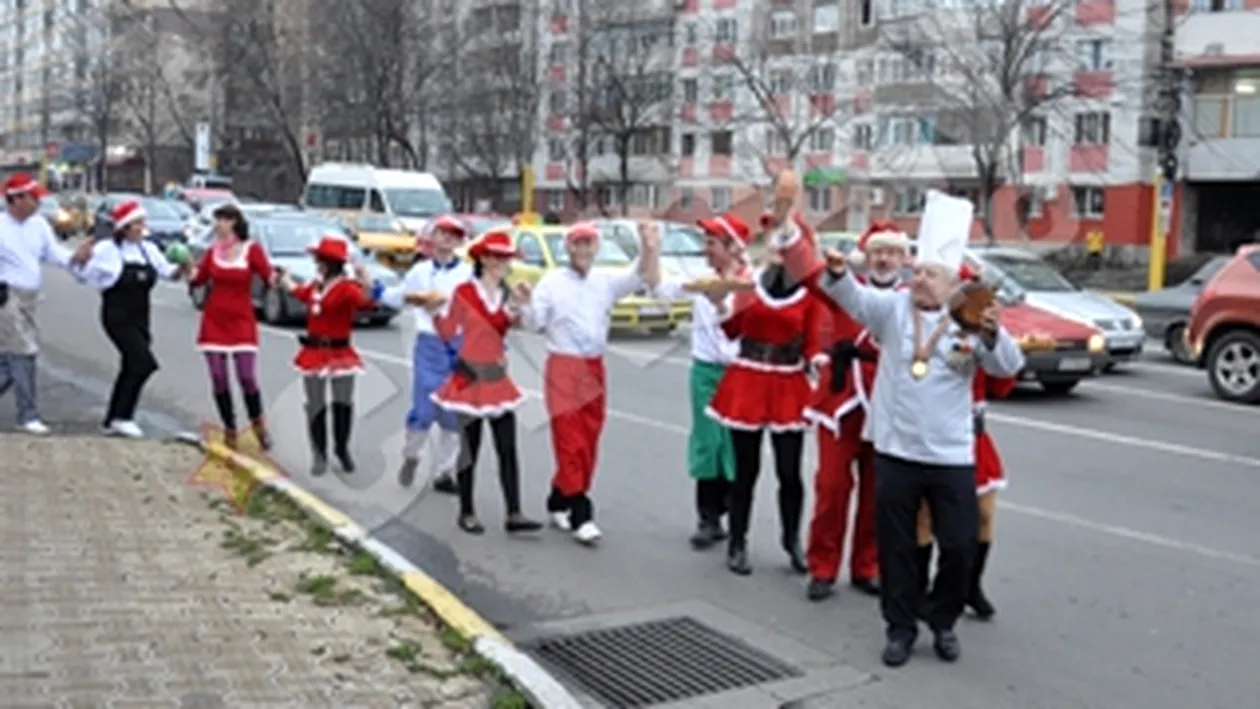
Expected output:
(482, 310)
(327, 359)
(778, 325)
(228, 326)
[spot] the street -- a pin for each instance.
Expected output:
(1125, 571)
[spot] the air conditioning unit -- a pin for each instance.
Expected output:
(1048, 193)
(877, 196)
(1215, 49)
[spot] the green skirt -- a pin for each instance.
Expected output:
(710, 455)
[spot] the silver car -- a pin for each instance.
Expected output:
(1165, 312)
(682, 245)
(1023, 275)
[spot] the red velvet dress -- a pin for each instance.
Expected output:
(228, 323)
(990, 475)
(756, 394)
(480, 385)
(330, 316)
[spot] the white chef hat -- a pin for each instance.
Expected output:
(944, 230)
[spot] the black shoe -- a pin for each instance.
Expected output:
(897, 652)
(868, 586)
(343, 419)
(407, 472)
(317, 431)
(819, 590)
(471, 525)
(976, 600)
(344, 461)
(796, 558)
(517, 524)
(446, 484)
(946, 645)
(737, 560)
(708, 532)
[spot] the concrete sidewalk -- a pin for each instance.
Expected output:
(125, 587)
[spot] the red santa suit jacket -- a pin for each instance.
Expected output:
(480, 385)
(330, 314)
(228, 323)
(990, 475)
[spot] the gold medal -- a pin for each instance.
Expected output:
(919, 369)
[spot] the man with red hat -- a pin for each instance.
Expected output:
(572, 307)
(710, 455)
(26, 243)
(838, 407)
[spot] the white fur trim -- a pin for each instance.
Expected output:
(777, 303)
(855, 258)
(819, 359)
(831, 421)
(491, 411)
(493, 301)
(800, 425)
(730, 230)
(767, 367)
(786, 236)
(895, 239)
(330, 373)
(226, 349)
(978, 407)
(991, 486)
(134, 215)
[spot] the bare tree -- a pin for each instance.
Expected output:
(99, 81)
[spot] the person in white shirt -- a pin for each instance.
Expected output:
(124, 269)
(921, 417)
(26, 243)
(432, 359)
(710, 455)
(572, 307)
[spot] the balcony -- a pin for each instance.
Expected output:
(1227, 38)
(1226, 137)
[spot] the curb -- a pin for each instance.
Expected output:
(525, 674)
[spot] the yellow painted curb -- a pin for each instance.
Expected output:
(450, 609)
(258, 471)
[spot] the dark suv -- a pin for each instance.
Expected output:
(1223, 336)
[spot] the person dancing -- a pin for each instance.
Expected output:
(432, 359)
(124, 269)
(229, 328)
(482, 310)
(327, 359)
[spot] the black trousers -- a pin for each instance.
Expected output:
(950, 491)
(787, 447)
(713, 498)
(136, 365)
(503, 430)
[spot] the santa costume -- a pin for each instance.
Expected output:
(480, 387)
(327, 359)
(990, 477)
(229, 328)
(779, 327)
(573, 309)
(839, 408)
(432, 358)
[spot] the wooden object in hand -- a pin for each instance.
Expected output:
(969, 303)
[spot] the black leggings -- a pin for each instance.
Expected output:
(137, 364)
(788, 447)
(503, 429)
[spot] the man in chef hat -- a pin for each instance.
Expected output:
(920, 422)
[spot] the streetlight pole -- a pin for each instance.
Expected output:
(1168, 105)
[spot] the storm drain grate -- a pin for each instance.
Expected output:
(659, 661)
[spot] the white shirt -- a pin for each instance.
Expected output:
(105, 267)
(708, 342)
(24, 247)
(427, 276)
(573, 311)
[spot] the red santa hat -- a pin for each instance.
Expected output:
(879, 233)
(127, 212)
(494, 243)
(582, 231)
(967, 273)
(450, 225)
(726, 226)
(333, 247)
(22, 183)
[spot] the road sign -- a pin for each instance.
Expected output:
(201, 148)
(1165, 206)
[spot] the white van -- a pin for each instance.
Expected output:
(349, 189)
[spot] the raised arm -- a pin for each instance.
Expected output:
(626, 281)
(1000, 355)
(540, 310)
(874, 308)
(103, 268)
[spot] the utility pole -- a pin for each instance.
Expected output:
(1168, 137)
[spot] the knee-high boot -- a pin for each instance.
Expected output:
(317, 430)
(791, 504)
(343, 416)
(254, 408)
(976, 600)
(227, 415)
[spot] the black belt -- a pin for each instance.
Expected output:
(767, 353)
(977, 422)
(481, 372)
(842, 355)
(323, 343)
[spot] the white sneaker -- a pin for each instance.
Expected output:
(560, 520)
(125, 429)
(35, 428)
(588, 533)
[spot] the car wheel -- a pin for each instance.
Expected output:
(1233, 366)
(1108, 368)
(1175, 343)
(1060, 387)
(274, 311)
(197, 294)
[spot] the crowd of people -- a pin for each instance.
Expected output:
(889, 375)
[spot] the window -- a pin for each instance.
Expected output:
(782, 24)
(780, 81)
(866, 12)
(1088, 202)
(691, 34)
(1033, 130)
(819, 199)
(721, 199)
(555, 150)
(559, 53)
(908, 200)
(335, 197)
(376, 203)
(687, 144)
(555, 201)
(686, 196)
(1093, 54)
(1215, 5)
(862, 137)
(531, 249)
(1036, 205)
(556, 103)
(720, 142)
(826, 19)
(727, 30)
(822, 78)
(776, 144)
(690, 90)
(723, 87)
(822, 140)
(1093, 128)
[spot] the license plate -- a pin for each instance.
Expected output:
(652, 311)
(1075, 364)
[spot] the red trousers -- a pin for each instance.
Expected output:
(574, 396)
(842, 460)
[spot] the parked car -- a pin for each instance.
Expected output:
(1165, 312)
(1059, 352)
(285, 236)
(1023, 275)
(166, 226)
(479, 224)
(682, 245)
(384, 239)
(1223, 335)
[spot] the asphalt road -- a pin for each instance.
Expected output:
(1125, 572)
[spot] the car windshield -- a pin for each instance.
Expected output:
(1031, 274)
(160, 209)
(414, 202)
(1209, 269)
(682, 240)
(290, 237)
(609, 254)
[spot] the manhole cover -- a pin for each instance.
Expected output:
(659, 661)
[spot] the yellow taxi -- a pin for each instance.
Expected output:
(383, 238)
(542, 250)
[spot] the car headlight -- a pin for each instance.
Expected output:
(1137, 321)
(1096, 344)
(1036, 342)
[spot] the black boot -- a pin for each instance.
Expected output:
(976, 599)
(923, 564)
(343, 416)
(227, 416)
(708, 532)
(790, 517)
(254, 407)
(317, 430)
(737, 557)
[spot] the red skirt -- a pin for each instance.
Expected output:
(751, 399)
(328, 361)
(989, 473)
(488, 399)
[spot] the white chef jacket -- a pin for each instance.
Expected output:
(24, 247)
(574, 311)
(708, 341)
(428, 275)
(105, 267)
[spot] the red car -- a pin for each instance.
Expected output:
(1223, 336)
(1059, 352)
